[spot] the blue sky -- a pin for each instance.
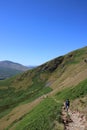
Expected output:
(33, 32)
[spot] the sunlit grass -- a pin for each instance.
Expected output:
(42, 117)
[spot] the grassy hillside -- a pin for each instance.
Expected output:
(43, 117)
(71, 71)
(47, 115)
(10, 97)
(63, 77)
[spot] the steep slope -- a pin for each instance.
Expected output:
(62, 74)
(72, 70)
(58, 73)
(9, 68)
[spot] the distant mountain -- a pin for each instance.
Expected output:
(31, 66)
(9, 68)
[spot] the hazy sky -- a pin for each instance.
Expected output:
(35, 31)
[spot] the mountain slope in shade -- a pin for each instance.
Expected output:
(9, 68)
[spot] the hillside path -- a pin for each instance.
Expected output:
(74, 120)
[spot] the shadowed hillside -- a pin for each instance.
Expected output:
(49, 84)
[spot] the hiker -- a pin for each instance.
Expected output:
(67, 104)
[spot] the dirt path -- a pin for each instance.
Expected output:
(74, 120)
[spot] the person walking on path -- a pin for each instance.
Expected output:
(67, 104)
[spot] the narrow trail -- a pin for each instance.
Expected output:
(74, 120)
(55, 99)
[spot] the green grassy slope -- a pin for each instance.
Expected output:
(75, 92)
(32, 84)
(10, 97)
(44, 116)
(72, 65)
